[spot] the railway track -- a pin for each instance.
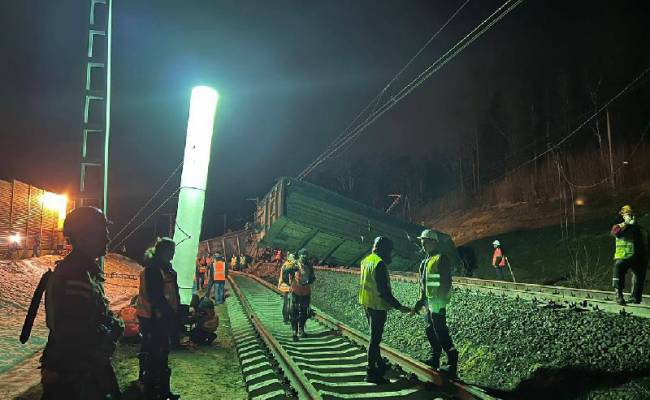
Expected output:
(327, 363)
(556, 296)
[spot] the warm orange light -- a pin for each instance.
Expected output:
(56, 202)
(580, 201)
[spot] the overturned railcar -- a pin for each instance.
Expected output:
(334, 229)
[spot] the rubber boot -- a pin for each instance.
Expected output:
(382, 366)
(619, 297)
(451, 368)
(374, 376)
(166, 391)
(434, 361)
(142, 362)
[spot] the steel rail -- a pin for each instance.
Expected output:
(408, 364)
(304, 388)
(585, 299)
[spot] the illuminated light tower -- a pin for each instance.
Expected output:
(203, 106)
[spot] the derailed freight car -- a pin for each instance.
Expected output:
(333, 228)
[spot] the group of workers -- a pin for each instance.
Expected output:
(631, 253)
(76, 361)
(296, 277)
(210, 276)
(434, 293)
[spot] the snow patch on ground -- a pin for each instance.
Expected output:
(18, 279)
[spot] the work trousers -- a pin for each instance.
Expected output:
(218, 291)
(500, 273)
(154, 350)
(285, 307)
(200, 336)
(438, 333)
(638, 269)
(299, 311)
(376, 321)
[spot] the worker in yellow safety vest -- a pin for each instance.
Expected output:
(157, 308)
(376, 297)
(435, 292)
(631, 253)
(284, 285)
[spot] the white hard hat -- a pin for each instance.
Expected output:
(429, 234)
(496, 243)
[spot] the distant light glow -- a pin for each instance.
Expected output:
(56, 202)
(15, 238)
(580, 201)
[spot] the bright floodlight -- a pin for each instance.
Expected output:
(56, 202)
(15, 238)
(203, 106)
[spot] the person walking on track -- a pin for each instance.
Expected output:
(301, 277)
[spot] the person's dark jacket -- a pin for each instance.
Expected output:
(381, 279)
(156, 287)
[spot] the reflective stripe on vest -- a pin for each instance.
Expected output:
(368, 291)
(624, 248)
(435, 301)
(283, 287)
(219, 271)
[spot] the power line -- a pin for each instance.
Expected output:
(377, 98)
(148, 217)
(585, 122)
(147, 203)
(605, 179)
(478, 31)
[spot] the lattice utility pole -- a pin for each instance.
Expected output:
(97, 107)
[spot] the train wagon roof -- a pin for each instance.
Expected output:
(336, 229)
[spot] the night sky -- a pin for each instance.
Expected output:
(292, 75)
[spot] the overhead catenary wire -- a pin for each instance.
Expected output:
(375, 101)
(171, 196)
(468, 39)
(583, 123)
(147, 203)
(618, 170)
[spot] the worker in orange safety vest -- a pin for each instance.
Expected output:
(499, 260)
(218, 279)
(157, 308)
(301, 277)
